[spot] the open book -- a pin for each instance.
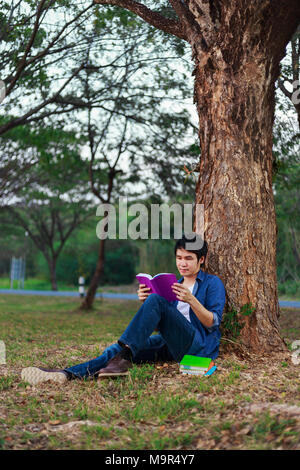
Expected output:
(159, 284)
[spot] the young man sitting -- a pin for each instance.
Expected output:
(189, 325)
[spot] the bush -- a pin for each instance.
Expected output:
(119, 265)
(289, 288)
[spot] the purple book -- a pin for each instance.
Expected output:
(159, 284)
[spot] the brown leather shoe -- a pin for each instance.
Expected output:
(118, 365)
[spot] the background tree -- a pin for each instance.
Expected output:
(286, 152)
(126, 125)
(36, 40)
(289, 79)
(20, 150)
(287, 199)
(120, 94)
(55, 203)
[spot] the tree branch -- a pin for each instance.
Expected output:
(46, 51)
(24, 119)
(295, 59)
(287, 93)
(183, 12)
(93, 153)
(155, 19)
(22, 63)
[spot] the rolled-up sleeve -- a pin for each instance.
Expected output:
(215, 301)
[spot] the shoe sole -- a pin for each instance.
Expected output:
(34, 376)
(111, 374)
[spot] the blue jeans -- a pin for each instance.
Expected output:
(177, 337)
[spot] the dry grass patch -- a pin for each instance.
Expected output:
(251, 402)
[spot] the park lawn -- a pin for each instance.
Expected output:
(249, 403)
(43, 284)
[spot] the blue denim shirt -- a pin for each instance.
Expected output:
(210, 292)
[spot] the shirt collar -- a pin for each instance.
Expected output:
(200, 276)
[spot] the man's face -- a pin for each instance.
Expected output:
(187, 263)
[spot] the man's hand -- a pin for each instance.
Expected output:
(182, 293)
(143, 292)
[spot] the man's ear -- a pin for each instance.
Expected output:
(201, 260)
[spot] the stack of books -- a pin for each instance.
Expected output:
(194, 365)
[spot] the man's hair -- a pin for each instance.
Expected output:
(186, 243)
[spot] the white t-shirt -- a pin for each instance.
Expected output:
(184, 307)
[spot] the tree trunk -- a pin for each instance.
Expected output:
(52, 270)
(88, 301)
(236, 65)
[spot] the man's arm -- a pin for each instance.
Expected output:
(184, 295)
(205, 316)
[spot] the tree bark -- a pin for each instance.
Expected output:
(88, 301)
(236, 65)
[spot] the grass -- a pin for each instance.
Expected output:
(155, 408)
(44, 284)
(35, 284)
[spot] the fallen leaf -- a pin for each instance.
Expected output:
(246, 430)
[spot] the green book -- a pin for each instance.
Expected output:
(203, 369)
(193, 372)
(195, 361)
